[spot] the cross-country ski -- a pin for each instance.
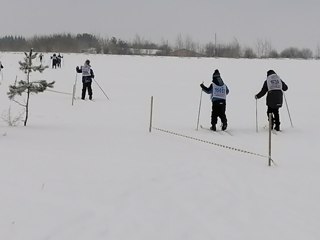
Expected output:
(217, 131)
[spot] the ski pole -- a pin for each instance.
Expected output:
(101, 89)
(199, 110)
(257, 115)
(285, 99)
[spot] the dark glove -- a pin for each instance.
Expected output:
(201, 85)
(255, 97)
(77, 68)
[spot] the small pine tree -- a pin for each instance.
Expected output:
(27, 86)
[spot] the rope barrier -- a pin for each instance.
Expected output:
(58, 92)
(212, 143)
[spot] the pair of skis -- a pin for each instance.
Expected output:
(273, 131)
(229, 133)
(217, 131)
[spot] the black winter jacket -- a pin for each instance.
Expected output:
(274, 97)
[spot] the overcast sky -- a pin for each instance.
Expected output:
(284, 23)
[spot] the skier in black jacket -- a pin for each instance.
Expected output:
(273, 86)
(1, 74)
(218, 91)
(87, 75)
(54, 60)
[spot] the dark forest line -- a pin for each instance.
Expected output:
(184, 47)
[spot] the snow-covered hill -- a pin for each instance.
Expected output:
(93, 170)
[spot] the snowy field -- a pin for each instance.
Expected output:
(92, 171)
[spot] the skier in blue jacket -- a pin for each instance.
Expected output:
(219, 92)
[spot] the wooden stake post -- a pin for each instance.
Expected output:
(151, 111)
(270, 127)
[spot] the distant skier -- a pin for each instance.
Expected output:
(1, 73)
(54, 60)
(218, 91)
(274, 87)
(87, 75)
(59, 60)
(41, 57)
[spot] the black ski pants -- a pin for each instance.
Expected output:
(275, 116)
(85, 86)
(218, 111)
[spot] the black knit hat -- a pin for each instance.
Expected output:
(270, 72)
(216, 73)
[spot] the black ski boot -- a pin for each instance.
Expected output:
(224, 126)
(213, 128)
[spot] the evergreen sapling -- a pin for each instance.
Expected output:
(27, 86)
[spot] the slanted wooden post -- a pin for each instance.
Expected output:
(74, 89)
(199, 110)
(73, 94)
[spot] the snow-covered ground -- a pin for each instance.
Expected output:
(93, 170)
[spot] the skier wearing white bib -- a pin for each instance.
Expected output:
(87, 75)
(219, 92)
(274, 88)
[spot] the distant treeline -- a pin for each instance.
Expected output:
(69, 43)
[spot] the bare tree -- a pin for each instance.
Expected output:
(317, 53)
(189, 44)
(249, 53)
(179, 42)
(264, 48)
(210, 49)
(306, 53)
(290, 52)
(293, 52)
